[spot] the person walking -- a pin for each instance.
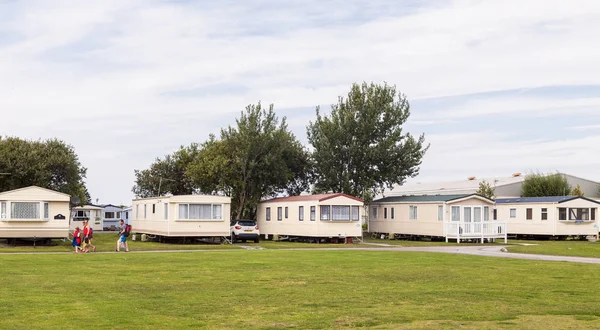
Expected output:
(77, 240)
(88, 237)
(122, 241)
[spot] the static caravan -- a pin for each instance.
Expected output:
(459, 217)
(90, 213)
(34, 212)
(126, 215)
(182, 216)
(111, 216)
(557, 217)
(311, 216)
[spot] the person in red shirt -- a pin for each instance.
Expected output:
(88, 236)
(77, 240)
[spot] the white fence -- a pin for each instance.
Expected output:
(475, 230)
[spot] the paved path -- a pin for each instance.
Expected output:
(483, 251)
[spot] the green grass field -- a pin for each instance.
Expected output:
(273, 289)
(559, 248)
(106, 242)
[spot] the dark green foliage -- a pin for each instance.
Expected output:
(257, 158)
(168, 174)
(486, 190)
(360, 149)
(50, 164)
(542, 185)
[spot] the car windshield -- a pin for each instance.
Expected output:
(246, 223)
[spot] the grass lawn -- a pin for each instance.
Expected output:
(273, 289)
(108, 242)
(559, 248)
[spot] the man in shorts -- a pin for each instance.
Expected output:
(122, 241)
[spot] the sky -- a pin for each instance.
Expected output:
(497, 87)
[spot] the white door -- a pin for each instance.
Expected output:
(477, 219)
(468, 226)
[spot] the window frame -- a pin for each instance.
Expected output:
(43, 211)
(529, 213)
(166, 211)
(413, 209)
(313, 213)
(486, 213)
(510, 213)
(544, 214)
(279, 213)
(392, 213)
(385, 213)
(440, 213)
(301, 213)
(212, 212)
(268, 213)
(286, 212)
(321, 213)
(452, 214)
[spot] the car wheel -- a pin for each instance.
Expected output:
(233, 240)
(256, 240)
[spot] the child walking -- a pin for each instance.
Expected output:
(77, 240)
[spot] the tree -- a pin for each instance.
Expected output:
(360, 149)
(486, 190)
(257, 158)
(540, 185)
(167, 176)
(50, 164)
(577, 191)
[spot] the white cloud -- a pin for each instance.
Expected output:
(73, 62)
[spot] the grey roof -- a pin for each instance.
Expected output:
(549, 199)
(421, 198)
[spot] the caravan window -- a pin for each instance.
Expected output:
(200, 211)
(455, 213)
(25, 210)
(325, 212)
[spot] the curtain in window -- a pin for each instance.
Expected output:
(467, 211)
(412, 212)
(46, 211)
(183, 211)
(340, 212)
(477, 214)
(325, 210)
(25, 210)
(440, 213)
(355, 213)
(3, 210)
(455, 213)
(216, 212)
(200, 211)
(486, 213)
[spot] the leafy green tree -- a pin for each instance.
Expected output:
(540, 185)
(257, 158)
(577, 191)
(486, 190)
(360, 149)
(167, 175)
(50, 164)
